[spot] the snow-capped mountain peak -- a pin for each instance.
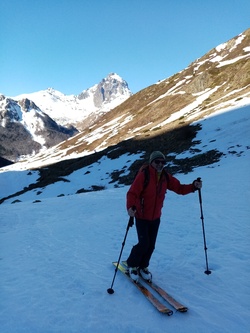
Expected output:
(108, 93)
(71, 109)
(25, 129)
(49, 111)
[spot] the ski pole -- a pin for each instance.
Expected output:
(207, 271)
(130, 224)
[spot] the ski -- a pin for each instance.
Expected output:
(166, 296)
(152, 299)
(177, 305)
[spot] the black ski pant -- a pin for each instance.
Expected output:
(147, 233)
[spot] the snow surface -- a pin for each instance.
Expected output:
(56, 255)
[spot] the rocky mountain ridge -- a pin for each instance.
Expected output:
(25, 129)
(218, 80)
(79, 109)
(33, 122)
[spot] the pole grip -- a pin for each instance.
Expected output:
(199, 191)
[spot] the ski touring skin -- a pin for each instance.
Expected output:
(151, 298)
(166, 296)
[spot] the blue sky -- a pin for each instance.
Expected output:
(71, 45)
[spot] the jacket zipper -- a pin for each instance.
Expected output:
(156, 192)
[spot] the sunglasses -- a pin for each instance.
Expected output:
(160, 161)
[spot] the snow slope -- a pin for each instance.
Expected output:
(55, 255)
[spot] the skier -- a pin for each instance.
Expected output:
(145, 200)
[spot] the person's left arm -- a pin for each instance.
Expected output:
(183, 189)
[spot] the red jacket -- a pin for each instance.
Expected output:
(149, 201)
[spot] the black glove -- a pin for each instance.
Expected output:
(197, 184)
(131, 213)
(131, 222)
